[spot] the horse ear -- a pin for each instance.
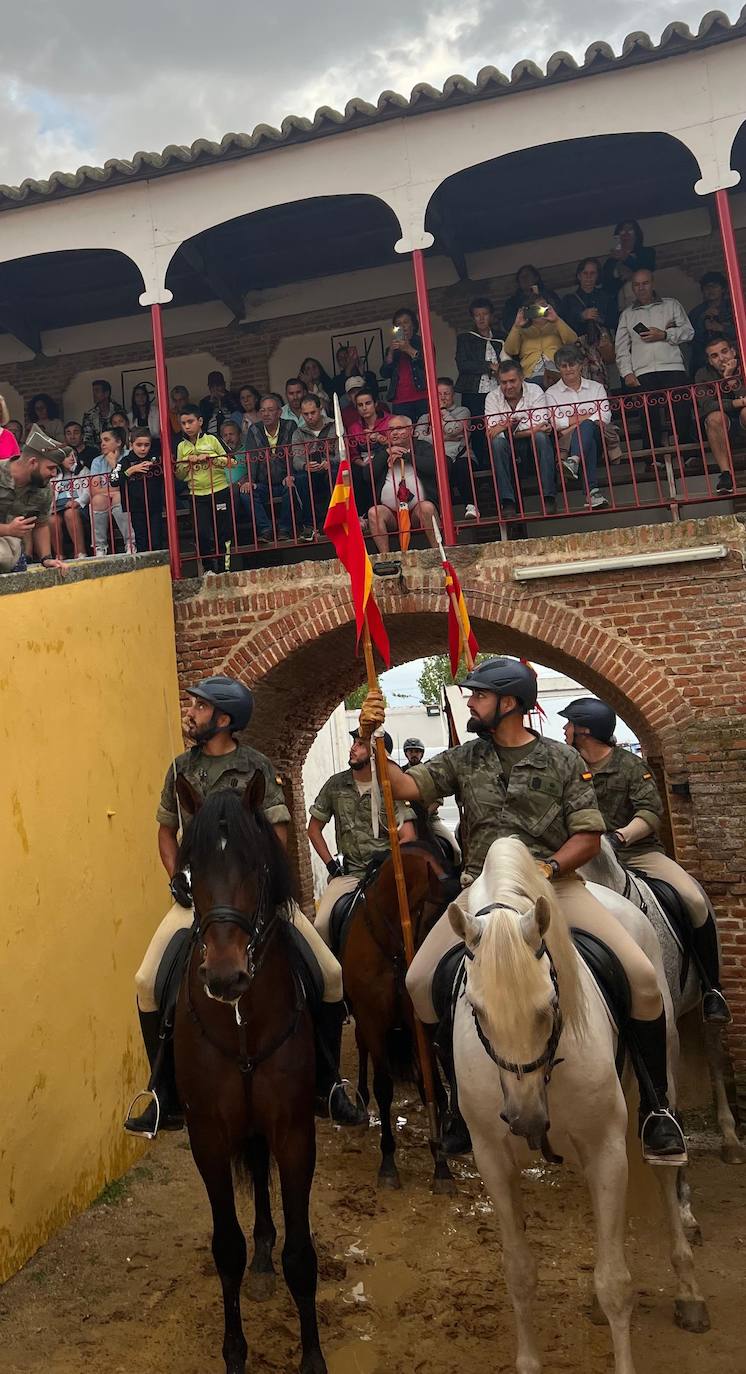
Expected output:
(254, 794)
(463, 925)
(190, 799)
(542, 914)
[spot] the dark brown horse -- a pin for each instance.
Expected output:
(374, 970)
(244, 1051)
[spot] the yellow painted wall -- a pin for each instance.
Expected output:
(84, 745)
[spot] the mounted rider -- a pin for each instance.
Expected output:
(347, 798)
(220, 708)
(414, 752)
(509, 781)
(631, 803)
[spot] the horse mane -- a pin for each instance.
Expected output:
(513, 981)
(223, 829)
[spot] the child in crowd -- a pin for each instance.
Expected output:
(106, 500)
(142, 490)
(201, 461)
(71, 496)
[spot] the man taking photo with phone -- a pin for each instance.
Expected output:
(26, 502)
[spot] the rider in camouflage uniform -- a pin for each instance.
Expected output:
(220, 708)
(511, 782)
(633, 810)
(347, 798)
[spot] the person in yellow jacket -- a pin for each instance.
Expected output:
(201, 461)
(537, 333)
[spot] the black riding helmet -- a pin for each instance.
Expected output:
(226, 695)
(506, 677)
(413, 743)
(592, 715)
(387, 740)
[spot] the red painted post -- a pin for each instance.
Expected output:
(436, 422)
(161, 382)
(733, 271)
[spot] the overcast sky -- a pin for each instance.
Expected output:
(85, 81)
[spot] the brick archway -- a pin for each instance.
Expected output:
(660, 640)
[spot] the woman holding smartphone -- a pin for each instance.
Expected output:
(404, 367)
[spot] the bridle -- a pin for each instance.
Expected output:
(260, 926)
(547, 1060)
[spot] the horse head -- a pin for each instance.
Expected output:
(507, 921)
(231, 852)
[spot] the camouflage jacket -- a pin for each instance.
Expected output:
(548, 797)
(626, 788)
(210, 773)
(341, 798)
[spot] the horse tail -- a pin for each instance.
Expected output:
(243, 1164)
(400, 1056)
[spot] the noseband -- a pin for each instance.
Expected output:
(547, 1060)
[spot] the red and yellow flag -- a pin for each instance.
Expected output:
(459, 627)
(342, 525)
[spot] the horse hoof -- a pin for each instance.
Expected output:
(444, 1187)
(691, 1315)
(733, 1154)
(390, 1181)
(260, 1286)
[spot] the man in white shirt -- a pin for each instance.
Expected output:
(648, 352)
(519, 432)
(578, 408)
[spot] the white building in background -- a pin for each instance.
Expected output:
(330, 749)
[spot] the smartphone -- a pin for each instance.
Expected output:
(641, 328)
(397, 333)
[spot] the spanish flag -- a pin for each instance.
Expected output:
(460, 632)
(342, 525)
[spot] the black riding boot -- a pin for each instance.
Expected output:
(661, 1136)
(331, 1098)
(163, 1112)
(455, 1138)
(715, 1009)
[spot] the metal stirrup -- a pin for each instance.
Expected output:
(146, 1092)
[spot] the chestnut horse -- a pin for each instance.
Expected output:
(374, 969)
(244, 1052)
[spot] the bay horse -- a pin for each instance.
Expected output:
(609, 880)
(373, 973)
(528, 997)
(244, 1054)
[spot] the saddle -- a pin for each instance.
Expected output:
(604, 965)
(346, 905)
(675, 914)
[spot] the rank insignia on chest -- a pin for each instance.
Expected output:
(536, 784)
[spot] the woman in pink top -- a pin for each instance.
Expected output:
(367, 448)
(8, 445)
(404, 366)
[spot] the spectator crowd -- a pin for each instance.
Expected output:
(537, 403)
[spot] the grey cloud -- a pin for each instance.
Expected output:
(145, 75)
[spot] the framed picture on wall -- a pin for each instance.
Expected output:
(130, 378)
(369, 345)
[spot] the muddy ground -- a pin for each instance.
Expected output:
(410, 1283)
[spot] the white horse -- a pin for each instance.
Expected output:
(534, 1051)
(612, 884)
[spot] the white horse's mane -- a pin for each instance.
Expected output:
(512, 981)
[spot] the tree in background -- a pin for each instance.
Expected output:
(354, 701)
(436, 673)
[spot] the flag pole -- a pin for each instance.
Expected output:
(382, 772)
(463, 637)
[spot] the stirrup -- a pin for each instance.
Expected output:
(144, 1135)
(715, 1009)
(345, 1083)
(675, 1159)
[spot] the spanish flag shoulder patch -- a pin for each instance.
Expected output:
(587, 777)
(647, 775)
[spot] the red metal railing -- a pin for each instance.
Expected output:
(637, 453)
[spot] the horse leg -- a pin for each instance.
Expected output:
(606, 1173)
(228, 1248)
(261, 1282)
(296, 1159)
(443, 1182)
(732, 1150)
(690, 1308)
(503, 1185)
(363, 1091)
(691, 1226)
(383, 1087)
